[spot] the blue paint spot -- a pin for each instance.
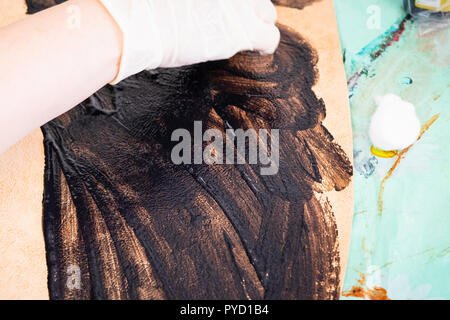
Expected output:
(406, 81)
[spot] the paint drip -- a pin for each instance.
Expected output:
(394, 125)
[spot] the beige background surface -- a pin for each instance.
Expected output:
(317, 23)
(23, 270)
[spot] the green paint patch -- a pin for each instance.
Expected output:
(404, 250)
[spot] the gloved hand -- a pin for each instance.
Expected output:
(173, 33)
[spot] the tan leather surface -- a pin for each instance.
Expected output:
(23, 272)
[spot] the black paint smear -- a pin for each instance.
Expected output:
(132, 225)
(299, 4)
(38, 5)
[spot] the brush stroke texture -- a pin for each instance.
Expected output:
(140, 227)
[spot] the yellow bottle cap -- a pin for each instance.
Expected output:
(383, 154)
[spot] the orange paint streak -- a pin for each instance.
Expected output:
(375, 293)
(362, 281)
(355, 292)
(401, 155)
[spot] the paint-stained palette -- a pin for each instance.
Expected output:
(136, 226)
(400, 243)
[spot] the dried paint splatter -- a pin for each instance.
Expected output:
(363, 292)
(375, 50)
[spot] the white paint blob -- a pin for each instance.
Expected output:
(394, 125)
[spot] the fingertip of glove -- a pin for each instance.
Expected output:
(271, 39)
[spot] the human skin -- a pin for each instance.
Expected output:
(38, 46)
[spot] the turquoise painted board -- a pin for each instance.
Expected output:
(400, 247)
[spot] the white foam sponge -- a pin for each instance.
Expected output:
(394, 125)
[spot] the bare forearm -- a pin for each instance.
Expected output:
(51, 61)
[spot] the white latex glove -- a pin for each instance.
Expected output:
(173, 33)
